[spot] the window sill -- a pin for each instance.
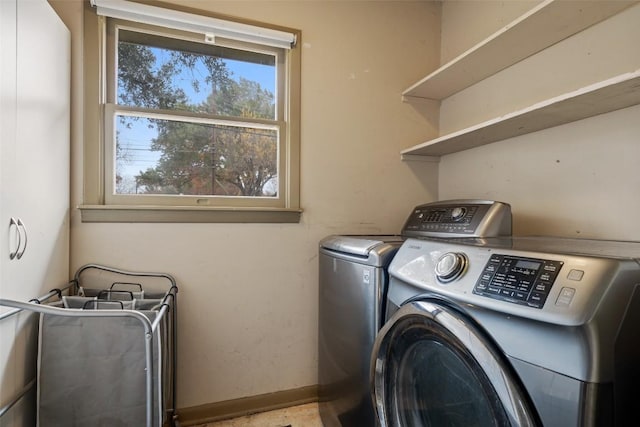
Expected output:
(184, 214)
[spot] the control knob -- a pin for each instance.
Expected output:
(450, 266)
(458, 213)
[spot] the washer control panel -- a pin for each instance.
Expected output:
(519, 280)
(550, 279)
(459, 218)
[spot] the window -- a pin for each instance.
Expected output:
(195, 126)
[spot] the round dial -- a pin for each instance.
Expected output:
(450, 266)
(458, 213)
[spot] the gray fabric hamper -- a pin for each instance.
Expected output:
(92, 353)
(91, 371)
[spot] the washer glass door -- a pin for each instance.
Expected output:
(433, 367)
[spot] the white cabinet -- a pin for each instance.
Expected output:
(34, 180)
(35, 141)
(546, 24)
(8, 20)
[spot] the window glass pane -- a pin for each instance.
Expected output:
(155, 156)
(165, 73)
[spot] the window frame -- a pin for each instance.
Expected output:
(99, 205)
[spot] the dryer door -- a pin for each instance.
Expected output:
(432, 366)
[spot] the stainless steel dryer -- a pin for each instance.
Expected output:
(352, 292)
(510, 332)
(353, 283)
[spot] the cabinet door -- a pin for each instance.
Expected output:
(42, 146)
(34, 180)
(8, 19)
(35, 132)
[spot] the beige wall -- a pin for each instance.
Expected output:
(579, 179)
(248, 292)
(469, 21)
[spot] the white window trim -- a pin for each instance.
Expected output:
(94, 208)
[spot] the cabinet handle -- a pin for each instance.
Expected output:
(24, 247)
(14, 224)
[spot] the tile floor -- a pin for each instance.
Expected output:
(296, 416)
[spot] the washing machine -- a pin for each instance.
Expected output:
(521, 331)
(353, 282)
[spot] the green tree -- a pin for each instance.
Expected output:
(141, 84)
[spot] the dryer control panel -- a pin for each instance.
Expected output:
(519, 280)
(459, 218)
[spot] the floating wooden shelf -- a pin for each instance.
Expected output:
(546, 24)
(613, 94)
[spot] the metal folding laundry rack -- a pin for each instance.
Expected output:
(106, 350)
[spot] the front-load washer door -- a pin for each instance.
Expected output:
(432, 366)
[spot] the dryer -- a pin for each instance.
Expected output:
(510, 332)
(353, 283)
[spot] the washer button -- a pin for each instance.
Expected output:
(565, 297)
(575, 275)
